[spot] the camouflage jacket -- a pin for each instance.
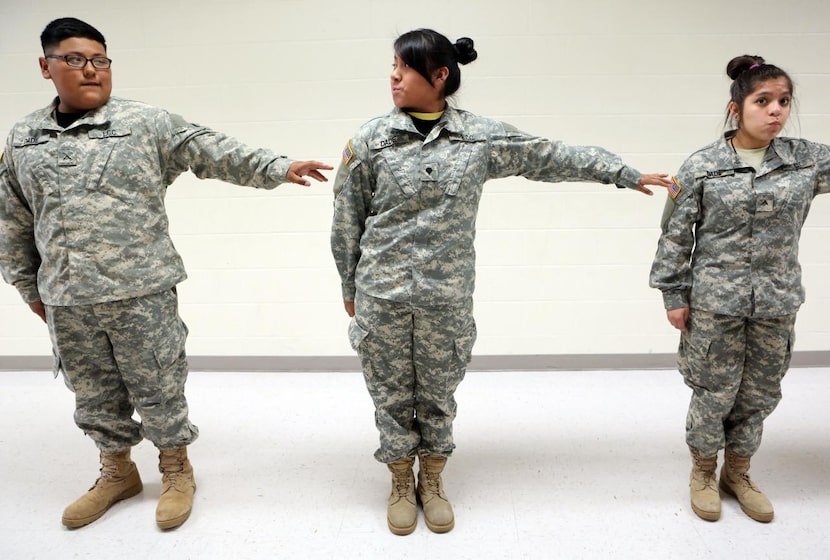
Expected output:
(82, 216)
(405, 205)
(729, 240)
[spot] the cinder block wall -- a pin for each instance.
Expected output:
(562, 269)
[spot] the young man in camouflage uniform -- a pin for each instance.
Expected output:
(84, 239)
(406, 199)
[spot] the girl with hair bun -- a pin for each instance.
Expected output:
(406, 199)
(727, 264)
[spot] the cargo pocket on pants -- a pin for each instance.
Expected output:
(357, 334)
(464, 346)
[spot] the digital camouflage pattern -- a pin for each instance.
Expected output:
(405, 207)
(413, 360)
(124, 356)
(729, 252)
(402, 238)
(734, 366)
(83, 228)
(729, 243)
(82, 216)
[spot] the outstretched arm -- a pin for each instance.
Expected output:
(539, 159)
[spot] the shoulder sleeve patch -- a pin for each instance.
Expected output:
(675, 188)
(348, 154)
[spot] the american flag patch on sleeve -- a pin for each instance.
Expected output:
(675, 188)
(348, 154)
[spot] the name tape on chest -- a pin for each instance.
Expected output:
(109, 133)
(720, 173)
(30, 141)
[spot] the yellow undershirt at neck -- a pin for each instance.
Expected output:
(425, 116)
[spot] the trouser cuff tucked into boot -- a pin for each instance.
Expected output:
(178, 487)
(402, 511)
(119, 480)
(735, 481)
(437, 508)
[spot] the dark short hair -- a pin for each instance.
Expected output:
(66, 28)
(425, 51)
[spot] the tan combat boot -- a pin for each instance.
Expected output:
(437, 508)
(735, 481)
(402, 511)
(178, 487)
(703, 487)
(119, 480)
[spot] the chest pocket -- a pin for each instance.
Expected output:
(29, 151)
(728, 199)
(440, 164)
(461, 152)
(29, 154)
(790, 189)
(108, 148)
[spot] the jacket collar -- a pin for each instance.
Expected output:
(95, 117)
(450, 120)
(781, 151)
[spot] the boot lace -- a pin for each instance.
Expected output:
(173, 475)
(110, 470)
(707, 468)
(743, 480)
(401, 480)
(432, 482)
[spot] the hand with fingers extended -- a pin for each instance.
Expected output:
(655, 179)
(300, 169)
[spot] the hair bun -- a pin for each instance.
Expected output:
(464, 50)
(741, 64)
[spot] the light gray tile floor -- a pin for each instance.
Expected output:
(548, 465)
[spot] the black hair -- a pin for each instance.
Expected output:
(425, 51)
(747, 71)
(66, 28)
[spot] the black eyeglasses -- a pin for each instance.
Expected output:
(78, 61)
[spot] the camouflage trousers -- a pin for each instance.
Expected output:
(123, 357)
(734, 366)
(413, 359)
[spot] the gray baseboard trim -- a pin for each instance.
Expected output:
(540, 362)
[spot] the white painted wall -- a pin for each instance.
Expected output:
(562, 269)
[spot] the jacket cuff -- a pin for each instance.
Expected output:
(279, 171)
(348, 291)
(30, 294)
(628, 178)
(675, 299)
